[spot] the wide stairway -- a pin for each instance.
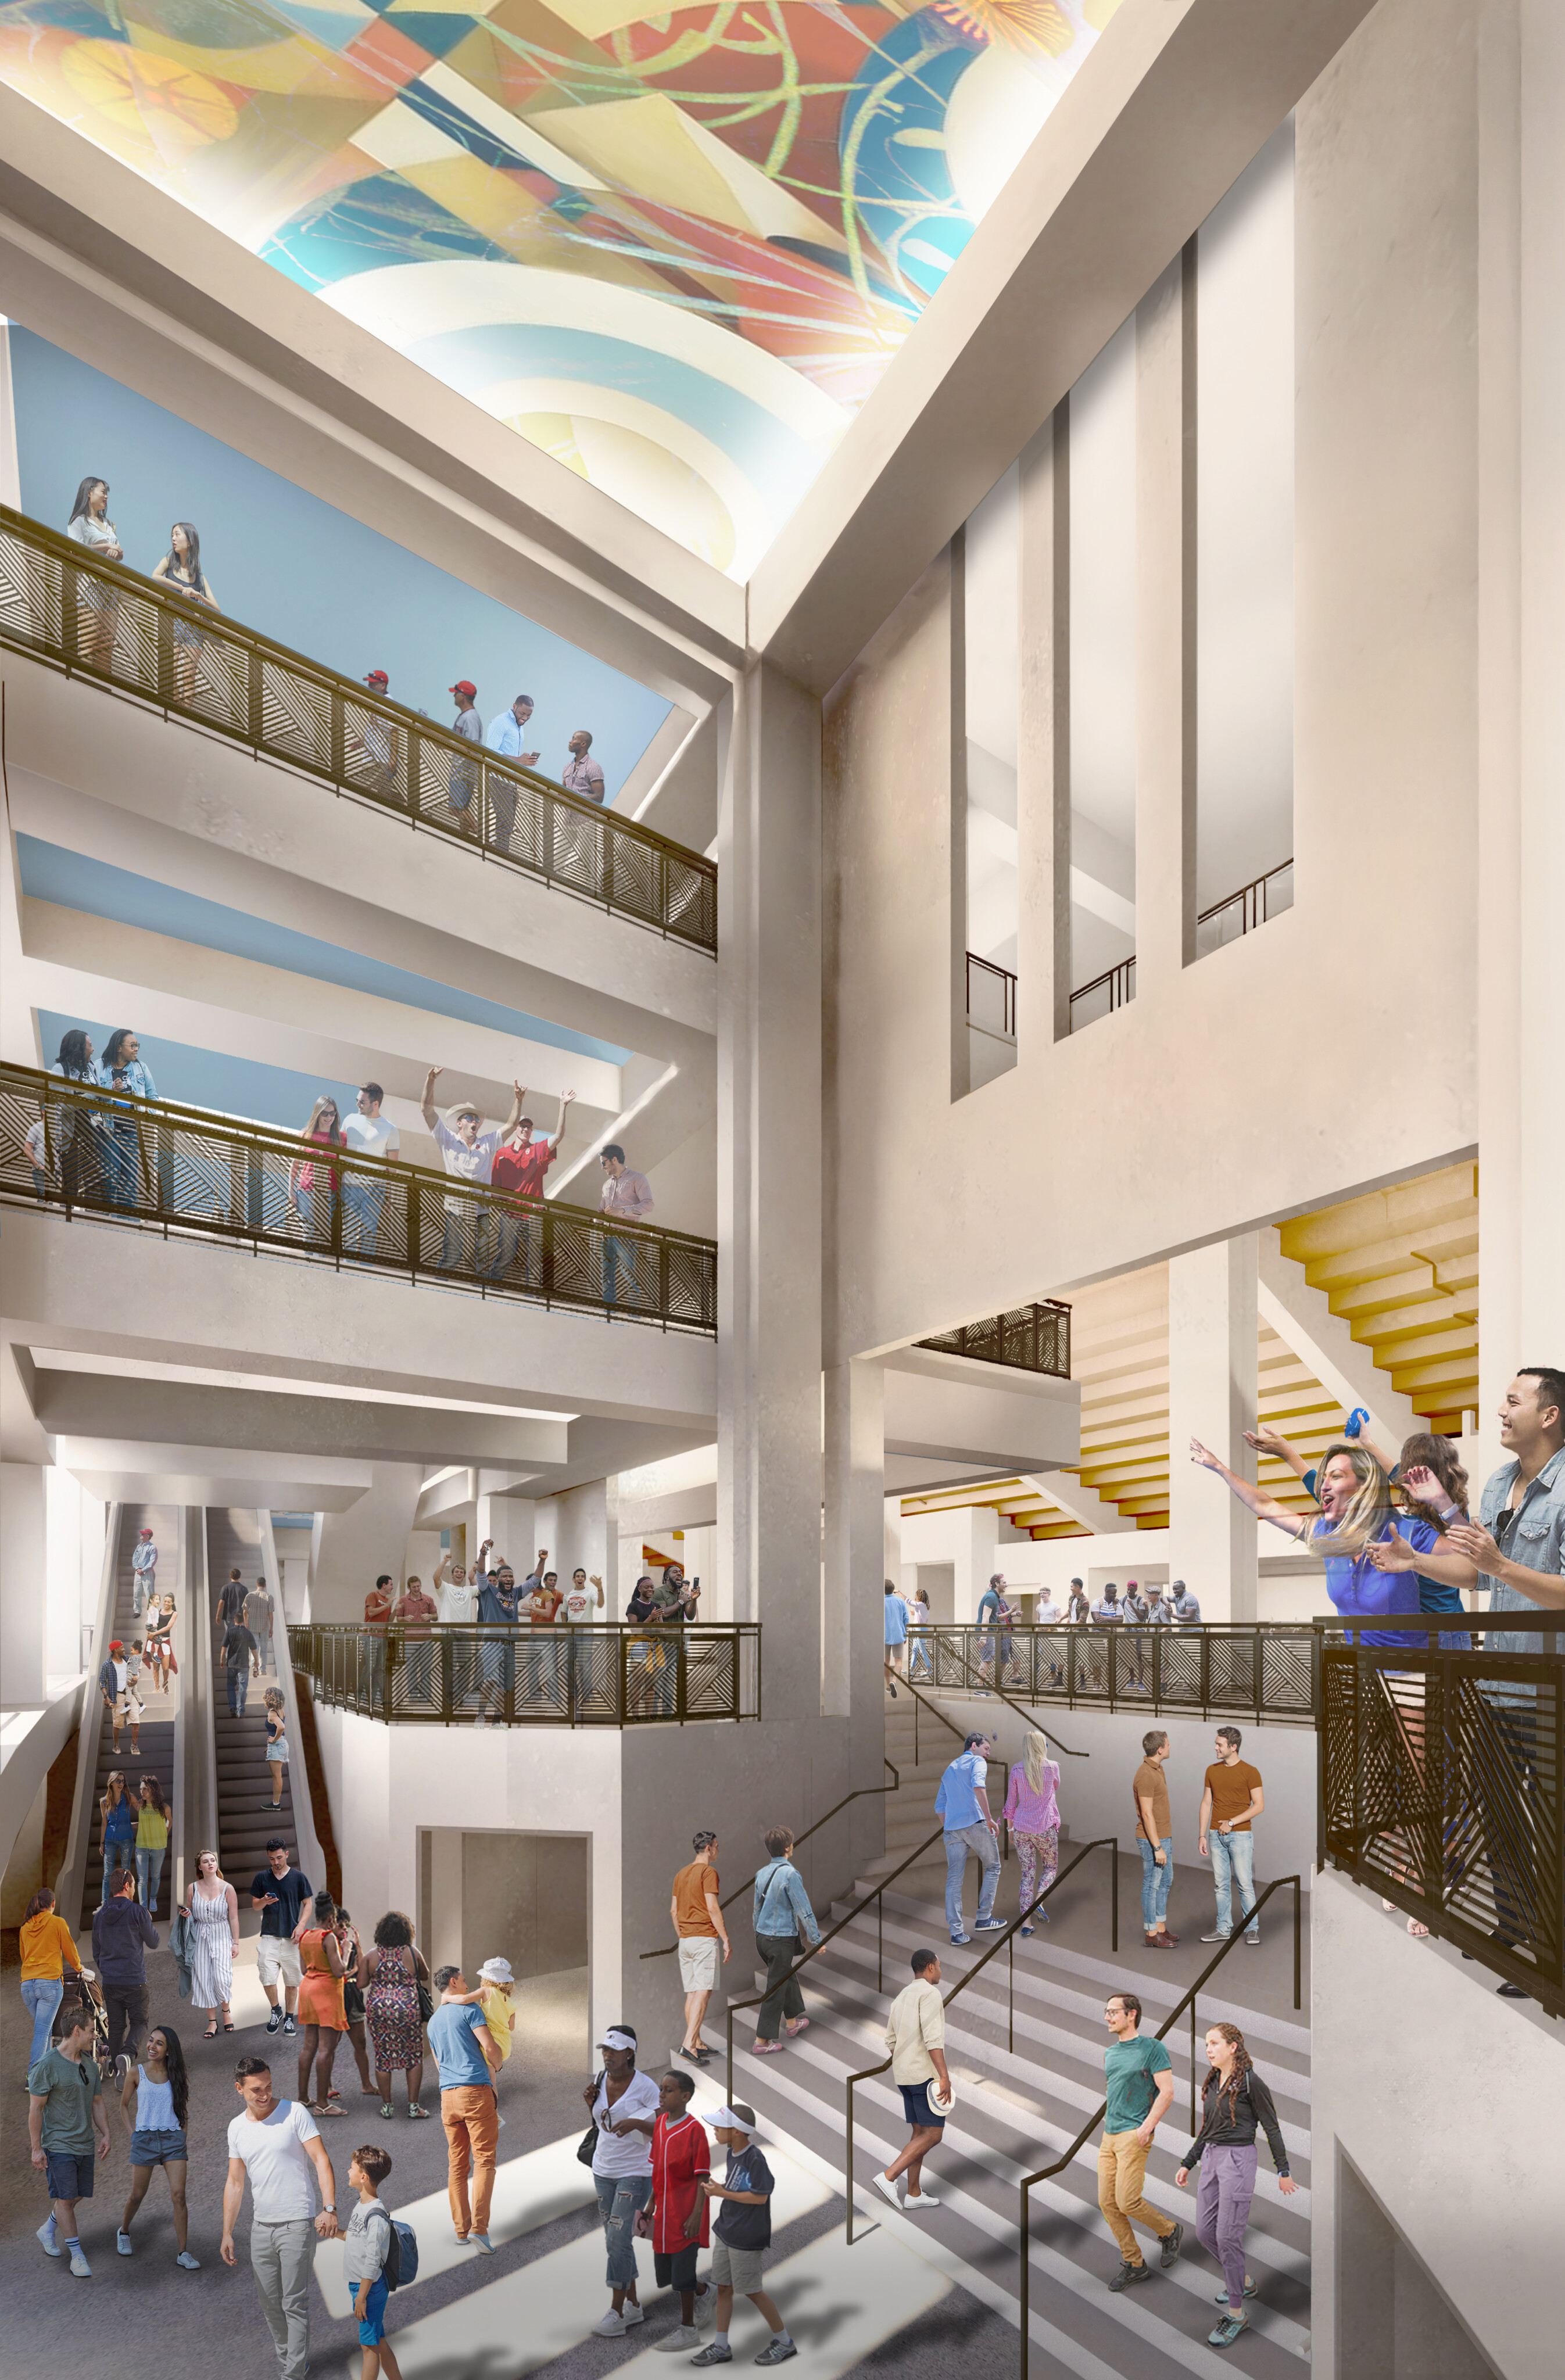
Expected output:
(245, 1815)
(155, 1757)
(1020, 2108)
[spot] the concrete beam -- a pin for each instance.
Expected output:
(1083, 1503)
(983, 1421)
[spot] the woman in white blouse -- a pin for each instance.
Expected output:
(97, 608)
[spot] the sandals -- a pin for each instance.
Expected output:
(210, 2034)
(415, 2111)
(387, 2110)
(768, 2049)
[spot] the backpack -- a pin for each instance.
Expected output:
(402, 2254)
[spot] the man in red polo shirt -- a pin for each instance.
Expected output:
(681, 2162)
(520, 1163)
(414, 1609)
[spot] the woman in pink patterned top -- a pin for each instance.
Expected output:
(1032, 1813)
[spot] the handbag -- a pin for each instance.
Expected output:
(589, 2146)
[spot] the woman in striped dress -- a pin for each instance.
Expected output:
(215, 1912)
(391, 1970)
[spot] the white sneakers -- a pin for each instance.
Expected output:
(705, 2308)
(122, 2242)
(680, 2340)
(888, 2189)
(614, 2324)
(48, 2237)
(187, 2263)
(912, 2206)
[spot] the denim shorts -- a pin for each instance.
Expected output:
(159, 2148)
(373, 2326)
(70, 2176)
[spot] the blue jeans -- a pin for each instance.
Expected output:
(618, 1253)
(619, 2201)
(362, 1217)
(961, 1842)
(1234, 1864)
(40, 1998)
(511, 1231)
(149, 1875)
(122, 1149)
(118, 1852)
(238, 1687)
(1155, 1881)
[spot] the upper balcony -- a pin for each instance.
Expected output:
(131, 636)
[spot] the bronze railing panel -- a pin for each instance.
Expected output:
(156, 1165)
(612, 1674)
(139, 638)
(1029, 1339)
(1266, 1668)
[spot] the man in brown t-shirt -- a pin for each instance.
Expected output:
(1154, 1835)
(1230, 1799)
(697, 1921)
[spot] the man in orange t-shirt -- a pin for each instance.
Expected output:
(697, 1920)
(1230, 1798)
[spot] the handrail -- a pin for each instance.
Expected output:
(445, 1672)
(160, 1164)
(1007, 994)
(72, 1880)
(1034, 1338)
(137, 638)
(198, 1690)
(876, 1895)
(666, 1949)
(1266, 1667)
(1121, 980)
(1099, 1842)
(1253, 895)
(1188, 2001)
(999, 1692)
(310, 1846)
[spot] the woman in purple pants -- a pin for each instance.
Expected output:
(1235, 2105)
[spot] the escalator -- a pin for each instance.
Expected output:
(157, 1729)
(245, 1815)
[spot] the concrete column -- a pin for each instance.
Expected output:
(1165, 625)
(23, 1568)
(1212, 1328)
(1043, 772)
(974, 1560)
(852, 1590)
(512, 1522)
(348, 1550)
(768, 1212)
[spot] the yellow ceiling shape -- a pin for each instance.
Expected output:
(651, 146)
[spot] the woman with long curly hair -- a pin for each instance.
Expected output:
(160, 2092)
(1235, 2104)
(391, 1972)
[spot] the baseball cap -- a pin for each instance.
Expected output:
(376, 677)
(464, 685)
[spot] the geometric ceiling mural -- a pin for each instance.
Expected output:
(676, 250)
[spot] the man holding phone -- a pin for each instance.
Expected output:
(281, 1892)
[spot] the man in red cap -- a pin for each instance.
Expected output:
(464, 773)
(379, 740)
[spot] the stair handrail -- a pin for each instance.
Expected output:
(187, 1740)
(1021, 1709)
(343, 704)
(666, 1949)
(1099, 1843)
(1186, 2001)
(84, 1805)
(198, 1691)
(857, 1910)
(308, 1851)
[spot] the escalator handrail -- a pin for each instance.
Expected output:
(72, 1882)
(308, 1853)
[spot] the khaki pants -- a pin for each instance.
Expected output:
(1122, 2168)
(470, 2116)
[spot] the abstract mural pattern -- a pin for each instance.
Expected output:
(676, 248)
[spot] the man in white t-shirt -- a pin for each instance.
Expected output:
(468, 1146)
(590, 1658)
(368, 1134)
(456, 1601)
(277, 2142)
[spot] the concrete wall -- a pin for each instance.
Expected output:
(1101, 1151)
(1436, 2092)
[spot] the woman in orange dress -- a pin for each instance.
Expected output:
(322, 2020)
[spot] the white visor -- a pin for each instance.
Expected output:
(616, 2040)
(726, 2120)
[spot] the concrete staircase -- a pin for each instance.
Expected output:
(156, 1731)
(1021, 2106)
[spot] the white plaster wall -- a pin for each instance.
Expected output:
(1445, 2100)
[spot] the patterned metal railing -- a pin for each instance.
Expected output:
(1241, 912)
(465, 1673)
(154, 1165)
(1029, 1339)
(140, 638)
(1267, 1668)
(1440, 1788)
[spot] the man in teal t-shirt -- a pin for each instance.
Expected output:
(1138, 2086)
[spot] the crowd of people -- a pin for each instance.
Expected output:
(910, 1626)
(179, 571)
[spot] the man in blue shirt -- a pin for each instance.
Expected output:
(497, 1609)
(467, 2058)
(506, 736)
(963, 1803)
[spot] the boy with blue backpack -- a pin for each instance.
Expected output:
(379, 2255)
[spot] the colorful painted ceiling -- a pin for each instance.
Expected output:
(676, 250)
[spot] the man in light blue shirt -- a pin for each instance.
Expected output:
(468, 2058)
(963, 1803)
(144, 1565)
(505, 737)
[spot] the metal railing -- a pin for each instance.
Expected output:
(1116, 987)
(666, 1949)
(1187, 2001)
(1265, 1668)
(994, 1009)
(1241, 912)
(866, 2074)
(612, 1674)
(1441, 1778)
(140, 638)
(156, 1165)
(1029, 1339)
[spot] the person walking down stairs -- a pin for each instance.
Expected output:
(915, 2038)
(1139, 2086)
(1235, 2103)
(963, 1804)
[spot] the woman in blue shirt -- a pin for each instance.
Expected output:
(1433, 1483)
(120, 1069)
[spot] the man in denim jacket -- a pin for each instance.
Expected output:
(1518, 1543)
